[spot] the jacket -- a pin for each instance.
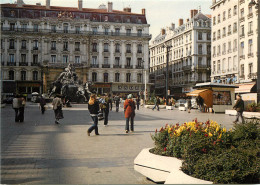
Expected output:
(94, 108)
(16, 103)
(239, 106)
(56, 103)
(129, 107)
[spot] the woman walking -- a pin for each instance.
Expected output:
(93, 107)
(21, 109)
(129, 108)
(138, 102)
(57, 107)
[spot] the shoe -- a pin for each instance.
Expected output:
(126, 131)
(88, 133)
(131, 131)
(57, 122)
(97, 134)
(235, 122)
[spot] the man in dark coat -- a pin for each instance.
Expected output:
(42, 104)
(239, 107)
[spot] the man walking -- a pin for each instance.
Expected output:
(16, 105)
(42, 104)
(117, 101)
(156, 103)
(239, 107)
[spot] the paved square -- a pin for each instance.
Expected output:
(38, 151)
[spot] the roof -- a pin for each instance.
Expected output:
(196, 92)
(208, 15)
(244, 88)
(210, 84)
(68, 9)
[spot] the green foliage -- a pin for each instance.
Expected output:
(253, 107)
(210, 152)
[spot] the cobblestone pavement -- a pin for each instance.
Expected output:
(38, 151)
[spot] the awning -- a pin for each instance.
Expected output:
(196, 92)
(245, 88)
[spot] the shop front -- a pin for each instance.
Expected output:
(101, 88)
(124, 89)
(26, 88)
(8, 88)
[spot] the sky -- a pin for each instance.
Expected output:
(159, 13)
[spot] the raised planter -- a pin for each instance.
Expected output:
(151, 106)
(245, 114)
(161, 169)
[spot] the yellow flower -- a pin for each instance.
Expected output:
(224, 130)
(210, 135)
(217, 129)
(220, 135)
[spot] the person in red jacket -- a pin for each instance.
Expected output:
(129, 109)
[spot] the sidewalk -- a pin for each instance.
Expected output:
(40, 152)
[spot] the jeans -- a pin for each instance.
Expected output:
(16, 114)
(137, 106)
(156, 106)
(106, 117)
(42, 109)
(94, 126)
(21, 114)
(239, 114)
(127, 124)
(117, 107)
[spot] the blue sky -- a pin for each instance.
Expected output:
(159, 13)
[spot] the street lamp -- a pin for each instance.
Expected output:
(256, 4)
(168, 47)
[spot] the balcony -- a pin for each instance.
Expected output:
(218, 37)
(201, 67)
(11, 64)
(241, 1)
(250, 33)
(53, 48)
(117, 51)
(250, 15)
(35, 64)
(234, 68)
(242, 19)
(242, 35)
(77, 49)
(250, 55)
(235, 49)
(35, 48)
(186, 68)
(128, 51)
(106, 50)
(252, 75)
(242, 56)
(235, 30)
(65, 49)
(128, 66)
(223, 35)
(23, 64)
(105, 65)
(94, 65)
(116, 66)
(139, 67)
(242, 76)
(229, 33)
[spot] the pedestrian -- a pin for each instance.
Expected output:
(156, 103)
(42, 104)
(110, 101)
(21, 109)
(189, 104)
(117, 102)
(16, 105)
(138, 102)
(93, 107)
(107, 102)
(239, 107)
(57, 107)
(129, 109)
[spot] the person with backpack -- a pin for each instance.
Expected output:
(129, 109)
(93, 107)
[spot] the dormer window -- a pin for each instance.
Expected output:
(106, 18)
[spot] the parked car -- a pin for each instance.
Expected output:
(182, 103)
(8, 100)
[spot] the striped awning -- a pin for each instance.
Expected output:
(245, 88)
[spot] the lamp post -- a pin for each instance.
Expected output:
(142, 61)
(256, 4)
(168, 47)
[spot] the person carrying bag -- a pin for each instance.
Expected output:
(129, 109)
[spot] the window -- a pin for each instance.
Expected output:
(117, 77)
(139, 62)
(65, 46)
(250, 69)
(53, 28)
(235, 27)
(200, 49)
(94, 60)
(242, 30)
(53, 58)
(224, 32)
(106, 47)
(218, 65)
(11, 44)
(105, 77)
(224, 49)
(128, 32)
(223, 64)
(11, 75)
(117, 48)
(23, 75)
(94, 77)
(242, 69)
(65, 59)
(200, 36)
(117, 30)
(77, 29)
(139, 77)
(106, 18)
(23, 58)
(106, 31)
(105, 60)
(250, 27)
(218, 18)
(214, 65)
(53, 45)
(139, 48)
(250, 46)
(35, 27)
(242, 12)
(128, 77)
(218, 34)
(229, 13)
(235, 10)
(94, 30)
(128, 61)
(214, 51)
(224, 15)
(35, 45)
(242, 48)
(229, 30)
(235, 62)
(128, 48)
(94, 47)
(250, 9)
(208, 49)
(23, 44)
(214, 36)
(235, 44)
(200, 60)
(11, 58)
(139, 32)
(77, 59)
(219, 50)
(35, 75)
(65, 28)
(77, 46)
(229, 46)
(208, 36)
(214, 20)
(12, 26)
(117, 60)
(24, 27)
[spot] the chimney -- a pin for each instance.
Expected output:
(191, 13)
(127, 10)
(173, 26)
(213, 2)
(187, 20)
(109, 7)
(80, 4)
(195, 12)
(163, 31)
(20, 3)
(48, 3)
(180, 22)
(143, 11)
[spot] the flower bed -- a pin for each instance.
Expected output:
(212, 153)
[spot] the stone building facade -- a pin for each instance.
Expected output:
(107, 47)
(189, 55)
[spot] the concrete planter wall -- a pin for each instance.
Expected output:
(163, 169)
(151, 106)
(245, 114)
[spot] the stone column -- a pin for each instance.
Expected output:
(29, 47)
(123, 51)
(134, 51)
(111, 51)
(100, 53)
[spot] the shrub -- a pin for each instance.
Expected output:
(253, 107)
(212, 153)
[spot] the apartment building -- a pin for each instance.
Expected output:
(107, 47)
(189, 55)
